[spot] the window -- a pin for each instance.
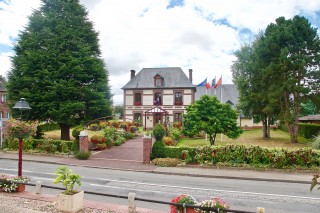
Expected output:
(177, 117)
(158, 81)
(137, 99)
(1, 115)
(3, 98)
(8, 115)
(178, 98)
(137, 118)
(157, 99)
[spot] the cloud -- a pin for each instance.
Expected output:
(5, 63)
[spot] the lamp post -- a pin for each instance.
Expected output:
(21, 105)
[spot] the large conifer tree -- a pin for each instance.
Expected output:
(57, 66)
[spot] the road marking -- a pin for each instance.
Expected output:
(141, 190)
(217, 190)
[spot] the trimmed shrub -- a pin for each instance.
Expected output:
(159, 132)
(309, 130)
(83, 155)
(158, 150)
(76, 131)
(166, 162)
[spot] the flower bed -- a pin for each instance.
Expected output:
(11, 184)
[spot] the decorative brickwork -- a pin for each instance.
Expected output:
(84, 143)
(147, 149)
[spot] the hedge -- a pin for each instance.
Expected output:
(240, 155)
(306, 130)
(36, 143)
(309, 130)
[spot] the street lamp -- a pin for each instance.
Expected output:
(21, 105)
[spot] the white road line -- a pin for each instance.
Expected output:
(141, 190)
(217, 190)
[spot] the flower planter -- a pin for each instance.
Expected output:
(21, 188)
(190, 210)
(70, 203)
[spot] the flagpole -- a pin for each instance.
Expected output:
(221, 102)
(206, 94)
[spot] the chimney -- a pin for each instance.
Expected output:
(190, 75)
(133, 74)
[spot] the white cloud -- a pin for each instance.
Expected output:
(201, 35)
(5, 63)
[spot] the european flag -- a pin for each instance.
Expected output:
(203, 83)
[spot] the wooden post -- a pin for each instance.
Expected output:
(260, 210)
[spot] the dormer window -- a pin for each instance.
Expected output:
(158, 81)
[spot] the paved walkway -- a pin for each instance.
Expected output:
(128, 156)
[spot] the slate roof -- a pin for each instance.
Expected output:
(173, 77)
(229, 93)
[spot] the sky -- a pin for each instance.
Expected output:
(192, 34)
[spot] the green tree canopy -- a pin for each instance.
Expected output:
(212, 117)
(293, 50)
(57, 66)
(249, 75)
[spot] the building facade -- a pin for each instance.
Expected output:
(4, 108)
(158, 95)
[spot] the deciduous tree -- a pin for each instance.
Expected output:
(212, 117)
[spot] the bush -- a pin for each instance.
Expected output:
(175, 134)
(83, 155)
(75, 146)
(61, 145)
(167, 162)
(133, 129)
(76, 131)
(316, 142)
(168, 141)
(117, 143)
(159, 132)
(158, 150)
(94, 127)
(98, 139)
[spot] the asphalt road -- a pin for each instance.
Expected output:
(239, 194)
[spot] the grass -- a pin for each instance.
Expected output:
(55, 134)
(251, 137)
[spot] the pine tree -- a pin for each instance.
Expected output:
(57, 67)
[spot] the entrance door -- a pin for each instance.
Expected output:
(157, 119)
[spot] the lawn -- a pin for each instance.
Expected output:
(278, 138)
(55, 134)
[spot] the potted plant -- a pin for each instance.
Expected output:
(216, 203)
(70, 200)
(12, 184)
(183, 199)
